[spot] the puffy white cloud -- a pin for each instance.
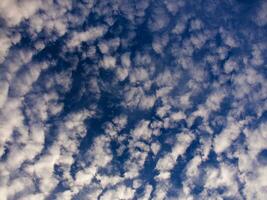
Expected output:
(6, 41)
(108, 62)
(225, 176)
(160, 191)
(228, 135)
(136, 97)
(249, 163)
(155, 147)
(142, 131)
(147, 193)
(122, 73)
(11, 117)
(192, 168)
(24, 80)
(120, 192)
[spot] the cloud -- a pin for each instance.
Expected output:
(167, 163)
(159, 19)
(89, 35)
(6, 41)
(254, 185)
(4, 92)
(223, 177)
(121, 192)
(15, 11)
(126, 100)
(108, 62)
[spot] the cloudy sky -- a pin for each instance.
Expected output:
(127, 99)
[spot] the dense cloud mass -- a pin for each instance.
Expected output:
(125, 99)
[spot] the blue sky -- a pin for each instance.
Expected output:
(121, 100)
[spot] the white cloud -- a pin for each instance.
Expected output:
(14, 11)
(138, 75)
(155, 147)
(32, 110)
(108, 62)
(91, 34)
(168, 161)
(137, 97)
(227, 136)
(104, 48)
(11, 117)
(230, 66)
(121, 193)
(31, 142)
(147, 193)
(160, 191)
(252, 173)
(4, 87)
(122, 73)
(142, 130)
(6, 41)
(24, 80)
(85, 177)
(224, 176)
(192, 167)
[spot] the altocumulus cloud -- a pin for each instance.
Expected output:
(116, 100)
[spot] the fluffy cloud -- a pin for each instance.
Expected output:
(15, 11)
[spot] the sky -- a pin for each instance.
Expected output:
(133, 100)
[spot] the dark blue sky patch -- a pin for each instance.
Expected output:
(262, 157)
